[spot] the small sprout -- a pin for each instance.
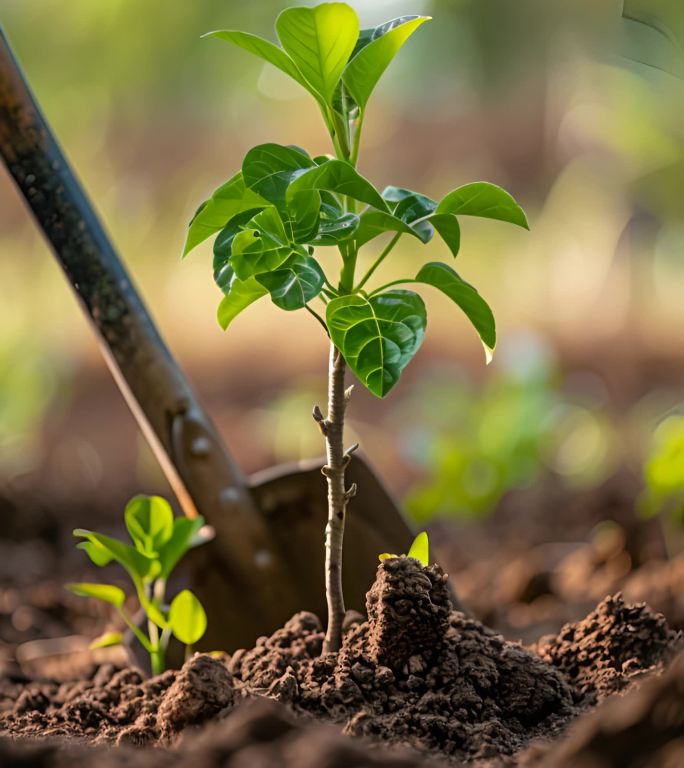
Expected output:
(420, 550)
(159, 541)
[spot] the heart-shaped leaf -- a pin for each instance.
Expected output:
(149, 520)
(365, 68)
(295, 283)
(468, 299)
(187, 618)
(106, 592)
(319, 41)
(268, 169)
(242, 293)
(337, 176)
(377, 335)
(228, 200)
(265, 50)
(483, 199)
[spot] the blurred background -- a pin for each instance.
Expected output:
(575, 433)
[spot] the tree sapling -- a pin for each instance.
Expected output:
(159, 542)
(283, 204)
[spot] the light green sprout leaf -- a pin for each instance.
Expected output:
(149, 520)
(106, 640)
(419, 550)
(105, 592)
(187, 618)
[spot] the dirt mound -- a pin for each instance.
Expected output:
(123, 708)
(610, 648)
(645, 728)
(414, 674)
(259, 733)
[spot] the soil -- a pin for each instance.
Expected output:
(417, 677)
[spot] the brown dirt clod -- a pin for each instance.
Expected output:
(203, 688)
(408, 612)
(613, 646)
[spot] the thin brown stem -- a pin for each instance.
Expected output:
(338, 497)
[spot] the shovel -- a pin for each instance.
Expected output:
(267, 558)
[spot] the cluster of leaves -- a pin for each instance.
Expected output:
(159, 541)
(419, 550)
(283, 204)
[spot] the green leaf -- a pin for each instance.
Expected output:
(420, 549)
(295, 283)
(415, 210)
(336, 230)
(448, 229)
(223, 249)
(265, 50)
(242, 293)
(106, 640)
(228, 200)
(319, 40)
(187, 618)
(268, 169)
(418, 212)
(184, 530)
(136, 564)
(106, 592)
(377, 335)
(149, 520)
(373, 223)
(98, 554)
(261, 248)
(337, 176)
(468, 299)
(362, 73)
(483, 199)
(303, 216)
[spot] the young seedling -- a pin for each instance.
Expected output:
(159, 542)
(420, 550)
(282, 205)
